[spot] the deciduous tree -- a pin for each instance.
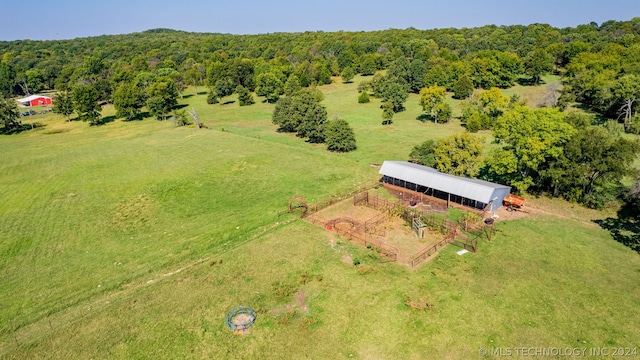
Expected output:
(339, 136)
(463, 88)
(594, 164)
(395, 93)
(302, 113)
(432, 100)
(9, 115)
(417, 74)
(537, 63)
(85, 100)
(128, 100)
(7, 79)
(163, 97)
(531, 138)
(387, 113)
(347, 74)
(459, 154)
(244, 96)
(63, 105)
(424, 153)
(292, 85)
(269, 86)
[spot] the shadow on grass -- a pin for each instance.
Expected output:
(228, 102)
(187, 96)
(202, 92)
(180, 106)
(105, 120)
(625, 228)
(424, 117)
(20, 128)
(598, 119)
(525, 81)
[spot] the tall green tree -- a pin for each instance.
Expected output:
(394, 93)
(7, 79)
(244, 96)
(63, 104)
(269, 86)
(424, 153)
(347, 74)
(212, 96)
(313, 123)
(285, 115)
(432, 100)
(163, 97)
(292, 85)
(537, 63)
(459, 154)
(531, 138)
(495, 69)
(417, 75)
(85, 100)
(222, 77)
(9, 115)
(481, 111)
(128, 100)
(339, 136)
(592, 166)
(35, 81)
(387, 112)
(463, 88)
(302, 113)
(399, 71)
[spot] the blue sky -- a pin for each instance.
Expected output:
(67, 19)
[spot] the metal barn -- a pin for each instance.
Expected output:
(465, 191)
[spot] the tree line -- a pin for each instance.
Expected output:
(545, 150)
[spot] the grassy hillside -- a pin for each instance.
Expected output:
(132, 240)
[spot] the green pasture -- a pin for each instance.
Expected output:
(133, 240)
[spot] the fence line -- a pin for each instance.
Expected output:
(314, 208)
(452, 231)
(425, 254)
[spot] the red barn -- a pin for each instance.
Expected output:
(35, 100)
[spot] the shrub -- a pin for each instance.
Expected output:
(364, 98)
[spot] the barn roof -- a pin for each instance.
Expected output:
(473, 189)
(32, 97)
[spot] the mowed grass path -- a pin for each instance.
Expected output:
(102, 224)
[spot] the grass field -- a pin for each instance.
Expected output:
(133, 240)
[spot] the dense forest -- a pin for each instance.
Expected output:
(548, 150)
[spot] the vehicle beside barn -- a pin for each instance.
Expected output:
(35, 100)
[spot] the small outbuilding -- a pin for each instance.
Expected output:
(35, 100)
(474, 193)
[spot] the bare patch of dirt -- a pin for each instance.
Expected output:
(299, 304)
(302, 305)
(242, 319)
(502, 214)
(394, 233)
